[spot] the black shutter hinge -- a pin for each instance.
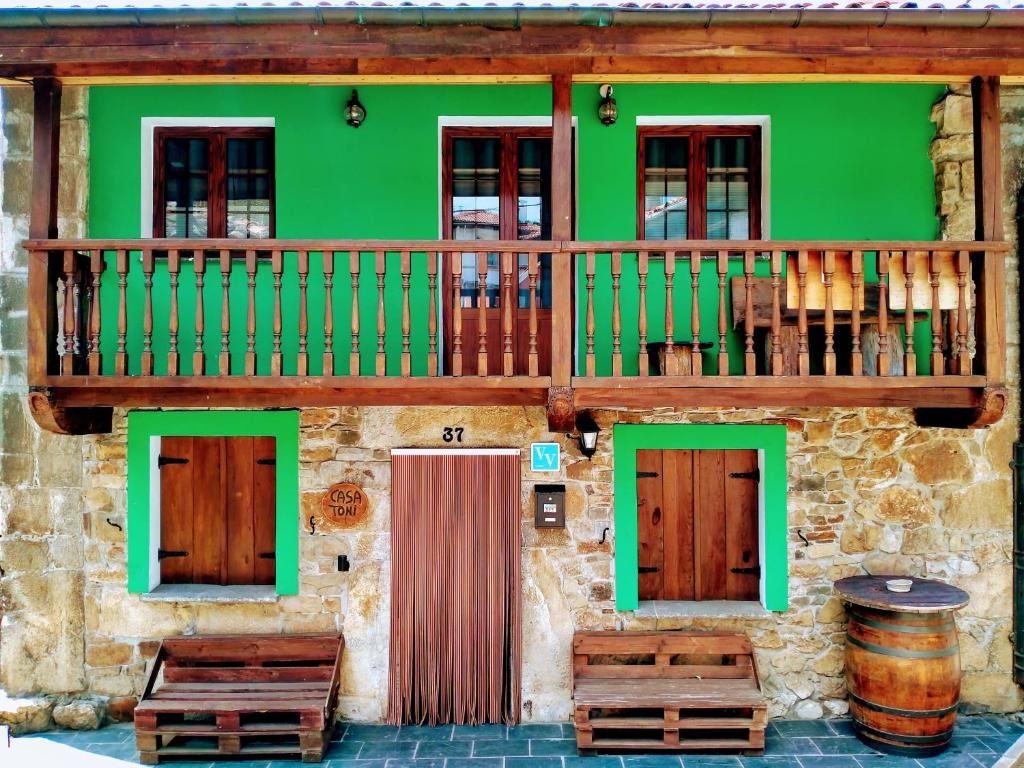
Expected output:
(646, 474)
(162, 461)
(270, 462)
(163, 554)
(267, 556)
(752, 475)
(754, 570)
(647, 569)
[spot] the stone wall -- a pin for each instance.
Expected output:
(868, 490)
(41, 537)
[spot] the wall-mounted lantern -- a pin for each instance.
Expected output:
(607, 110)
(586, 433)
(355, 112)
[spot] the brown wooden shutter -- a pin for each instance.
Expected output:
(455, 595)
(217, 517)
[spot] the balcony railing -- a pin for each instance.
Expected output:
(132, 322)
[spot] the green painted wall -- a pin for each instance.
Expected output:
(144, 426)
(769, 440)
(847, 161)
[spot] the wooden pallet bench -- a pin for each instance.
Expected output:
(253, 695)
(667, 691)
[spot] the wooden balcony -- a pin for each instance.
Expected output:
(280, 323)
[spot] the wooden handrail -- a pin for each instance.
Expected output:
(101, 314)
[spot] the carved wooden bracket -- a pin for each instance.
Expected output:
(561, 409)
(68, 421)
(989, 411)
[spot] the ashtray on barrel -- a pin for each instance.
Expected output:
(902, 662)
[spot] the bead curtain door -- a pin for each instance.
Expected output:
(455, 589)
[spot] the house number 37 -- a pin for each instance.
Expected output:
(452, 434)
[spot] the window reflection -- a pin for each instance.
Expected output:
(666, 207)
(186, 187)
(728, 196)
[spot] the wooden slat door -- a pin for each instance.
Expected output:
(217, 510)
(455, 588)
(697, 514)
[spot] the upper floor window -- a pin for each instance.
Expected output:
(698, 182)
(214, 182)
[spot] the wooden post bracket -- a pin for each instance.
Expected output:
(68, 421)
(990, 409)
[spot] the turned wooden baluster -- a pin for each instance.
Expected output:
(381, 358)
(883, 313)
(121, 356)
(481, 315)
(723, 320)
(749, 357)
(908, 318)
(856, 281)
(96, 266)
(406, 267)
(250, 325)
(671, 363)
(224, 360)
(276, 358)
(67, 360)
(199, 353)
(432, 313)
(696, 359)
(456, 314)
(803, 356)
(963, 352)
(776, 339)
(828, 269)
(533, 261)
(173, 324)
(328, 312)
(937, 361)
(146, 360)
(353, 269)
(616, 315)
(643, 359)
(507, 298)
(302, 361)
(591, 268)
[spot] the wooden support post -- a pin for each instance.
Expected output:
(561, 413)
(42, 272)
(989, 275)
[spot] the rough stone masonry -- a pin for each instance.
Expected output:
(868, 492)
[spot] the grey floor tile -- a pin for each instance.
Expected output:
(344, 748)
(987, 760)
(1005, 725)
(970, 744)
(487, 731)
(710, 761)
(770, 761)
(387, 749)
(475, 762)
(997, 743)
(403, 762)
(949, 760)
(968, 725)
(537, 731)
(843, 745)
(828, 761)
(843, 727)
(553, 747)
(444, 749)
(651, 761)
(798, 745)
(596, 761)
(801, 728)
(889, 761)
(347, 762)
(533, 762)
(364, 732)
(501, 748)
(425, 733)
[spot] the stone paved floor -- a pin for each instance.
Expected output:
(979, 741)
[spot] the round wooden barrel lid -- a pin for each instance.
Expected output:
(925, 596)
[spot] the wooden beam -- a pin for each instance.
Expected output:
(42, 320)
(562, 417)
(989, 273)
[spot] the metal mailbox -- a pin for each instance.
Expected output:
(550, 510)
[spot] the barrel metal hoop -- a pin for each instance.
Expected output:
(934, 629)
(900, 652)
(903, 712)
(935, 738)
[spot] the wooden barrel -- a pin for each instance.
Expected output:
(903, 676)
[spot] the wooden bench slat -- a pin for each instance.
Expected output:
(314, 685)
(248, 674)
(645, 643)
(211, 706)
(162, 694)
(652, 671)
(668, 693)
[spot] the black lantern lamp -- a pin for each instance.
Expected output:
(355, 112)
(586, 433)
(607, 110)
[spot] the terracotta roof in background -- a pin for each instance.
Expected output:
(693, 5)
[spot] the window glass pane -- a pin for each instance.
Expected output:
(665, 187)
(470, 286)
(248, 187)
(534, 193)
(186, 187)
(543, 281)
(476, 168)
(728, 194)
